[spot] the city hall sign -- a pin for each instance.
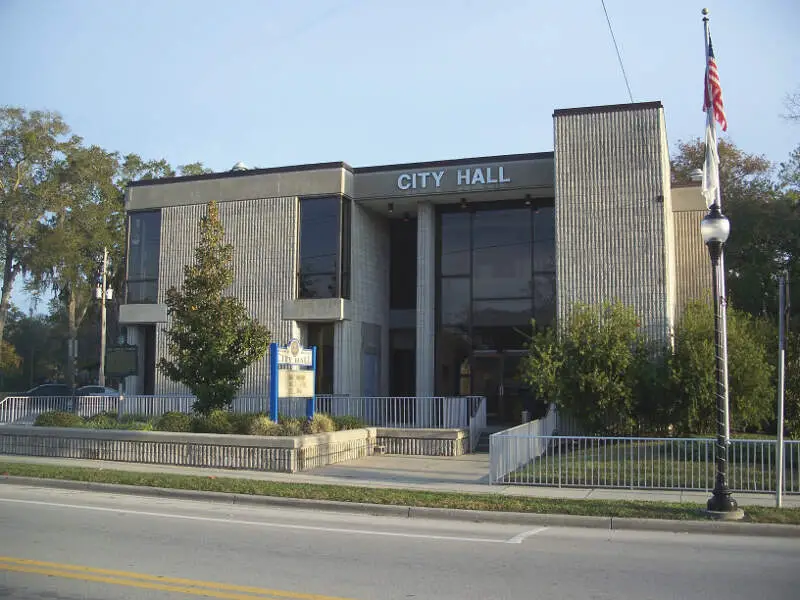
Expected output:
(466, 176)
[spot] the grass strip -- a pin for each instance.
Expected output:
(401, 497)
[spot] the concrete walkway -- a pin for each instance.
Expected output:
(462, 474)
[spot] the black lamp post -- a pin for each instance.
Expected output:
(715, 229)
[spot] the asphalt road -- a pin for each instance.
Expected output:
(67, 545)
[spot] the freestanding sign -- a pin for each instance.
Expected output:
(292, 370)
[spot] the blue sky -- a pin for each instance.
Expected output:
(369, 82)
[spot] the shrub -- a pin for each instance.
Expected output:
(348, 422)
(57, 418)
(241, 423)
(590, 370)
(292, 427)
(263, 425)
(134, 418)
(751, 389)
(320, 423)
(102, 421)
(137, 426)
(217, 421)
(174, 421)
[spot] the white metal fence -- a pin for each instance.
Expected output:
(477, 421)
(537, 458)
(407, 412)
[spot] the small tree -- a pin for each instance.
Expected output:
(212, 338)
(591, 369)
(693, 383)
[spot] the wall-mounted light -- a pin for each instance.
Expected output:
(463, 203)
(527, 199)
(406, 217)
(391, 207)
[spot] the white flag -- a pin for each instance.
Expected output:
(711, 165)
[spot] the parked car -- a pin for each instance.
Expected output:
(49, 389)
(96, 390)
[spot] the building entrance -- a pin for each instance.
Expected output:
(496, 376)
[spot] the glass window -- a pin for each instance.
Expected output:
(324, 248)
(544, 299)
(403, 264)
(501, 254)
(455, 255)
(544, 256)
(508, 313)
(455, 301)
(321, 336)
(544, 223)
(143, 256)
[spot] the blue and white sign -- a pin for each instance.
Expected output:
(292, 370)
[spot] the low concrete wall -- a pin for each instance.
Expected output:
(285, 454)
(424, 442)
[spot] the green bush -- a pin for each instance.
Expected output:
(137, 426)
(292, 427)
(57, 418)
(241, 423)
(174, 421)
(321, 423)
(217, 421)
(102, 421)
(348, 422)
(134, 418)
(263, 425)
(692, 376)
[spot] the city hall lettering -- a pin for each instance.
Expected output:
(423, 180)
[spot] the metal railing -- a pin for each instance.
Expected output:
(540, 459)
(477, 422)
(405, 412)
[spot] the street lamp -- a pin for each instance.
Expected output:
(715, 229)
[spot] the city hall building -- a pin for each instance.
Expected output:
(423, 278)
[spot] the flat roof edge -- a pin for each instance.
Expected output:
(456, 161)
(587, 110)
(228, 174)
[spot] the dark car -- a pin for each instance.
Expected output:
(49, 389)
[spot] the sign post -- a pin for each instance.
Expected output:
(292, 370)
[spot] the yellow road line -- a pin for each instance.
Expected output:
(153, 582)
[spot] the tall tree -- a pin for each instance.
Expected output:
(30, 144)
(71, 240)
(212, 338)
(195, 168)
(765, 221)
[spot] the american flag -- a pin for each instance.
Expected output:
(713, 88)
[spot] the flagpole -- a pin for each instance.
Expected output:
(711, 122)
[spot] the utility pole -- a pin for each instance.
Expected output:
(782, 318)
(102, 293)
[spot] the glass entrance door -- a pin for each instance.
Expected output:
(495, 375)
(487, 380)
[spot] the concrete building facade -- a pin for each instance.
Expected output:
(422, 278)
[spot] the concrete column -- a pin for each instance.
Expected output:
(426, 305)
(346, 359)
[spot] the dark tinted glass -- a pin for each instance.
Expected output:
(455, 244)
(455, 301)
(497, 313)
(501, 265)
(544, 223)
(142, 292)
(544, 256)
(544, 299)
(319, 247)
(403, 265)
(143, 256)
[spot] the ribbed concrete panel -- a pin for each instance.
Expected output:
(264, 234)
(347, 358)
(610, 212)
(426, 299)
(693, 266)
(370, 290)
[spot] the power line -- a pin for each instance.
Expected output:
(619, 56)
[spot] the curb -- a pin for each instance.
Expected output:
(413, 512)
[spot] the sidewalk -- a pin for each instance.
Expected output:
(462, 474)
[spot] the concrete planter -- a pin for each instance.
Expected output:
(424, 442)
(284, 454)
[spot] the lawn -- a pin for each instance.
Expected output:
(412, 498)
